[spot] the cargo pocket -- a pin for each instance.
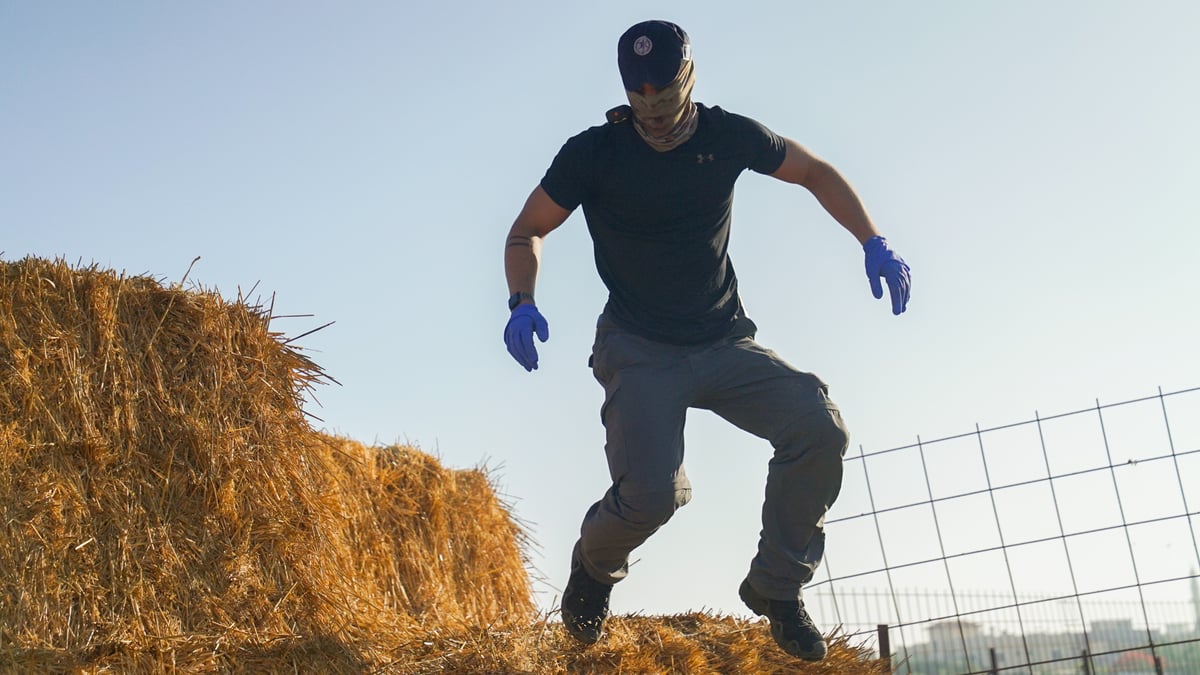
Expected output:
(598, 360)
(611, 385)
(614, 446)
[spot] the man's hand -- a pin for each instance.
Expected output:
(883, 262)
(518, 334)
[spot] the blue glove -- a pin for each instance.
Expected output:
(518, 334)
(883, 262)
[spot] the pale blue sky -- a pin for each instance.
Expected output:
(1036, 163)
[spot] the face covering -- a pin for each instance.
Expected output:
(668, 118)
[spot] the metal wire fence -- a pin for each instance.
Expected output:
(1080, 526)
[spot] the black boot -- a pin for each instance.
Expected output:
(791, 626)
(584, 605)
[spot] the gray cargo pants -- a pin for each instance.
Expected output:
(648, 387)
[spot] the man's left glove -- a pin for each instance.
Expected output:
(518, 334)
(882, 261)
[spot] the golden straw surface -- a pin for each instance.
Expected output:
(167, 507)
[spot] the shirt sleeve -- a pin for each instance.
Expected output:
(766, 148)
(565, 180)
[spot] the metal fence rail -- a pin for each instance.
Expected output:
(1081, 525)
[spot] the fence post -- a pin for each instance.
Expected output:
(885, 646)
(995, 670)
(1087, 663)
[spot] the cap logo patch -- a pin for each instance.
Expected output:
(642, 46)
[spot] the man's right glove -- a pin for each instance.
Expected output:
(518, 334)
(882, 261)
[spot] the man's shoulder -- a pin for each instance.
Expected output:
(590, 136)
(737, 128)
(611, 135)
(718, 115)
(616, 120)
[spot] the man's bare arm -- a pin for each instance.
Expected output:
(523, 247)
(801, 167)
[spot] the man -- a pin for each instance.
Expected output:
(656, 185)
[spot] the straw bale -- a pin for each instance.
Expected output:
(439, 542)
(164, 496)
(167, 507)
(697, 643)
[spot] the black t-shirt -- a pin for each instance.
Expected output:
(660, 220)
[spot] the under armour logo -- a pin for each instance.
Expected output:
(700, 159)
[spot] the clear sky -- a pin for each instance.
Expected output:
(1036, 163)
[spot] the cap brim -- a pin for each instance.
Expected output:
(638, 74)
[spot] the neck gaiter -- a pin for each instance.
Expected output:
(668, 118)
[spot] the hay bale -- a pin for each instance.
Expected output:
(440, 544)
(697, 643)
(165, 501)
(167, 507)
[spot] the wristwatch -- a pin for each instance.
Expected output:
(517, 298)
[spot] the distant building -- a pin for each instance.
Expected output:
(1112, 634)
(1134, 663)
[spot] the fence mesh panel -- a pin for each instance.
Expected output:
(1061, 544)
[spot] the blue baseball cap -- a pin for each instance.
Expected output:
(652, 52)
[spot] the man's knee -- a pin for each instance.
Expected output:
(821, 431)
(652, 508)
(834, 431)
